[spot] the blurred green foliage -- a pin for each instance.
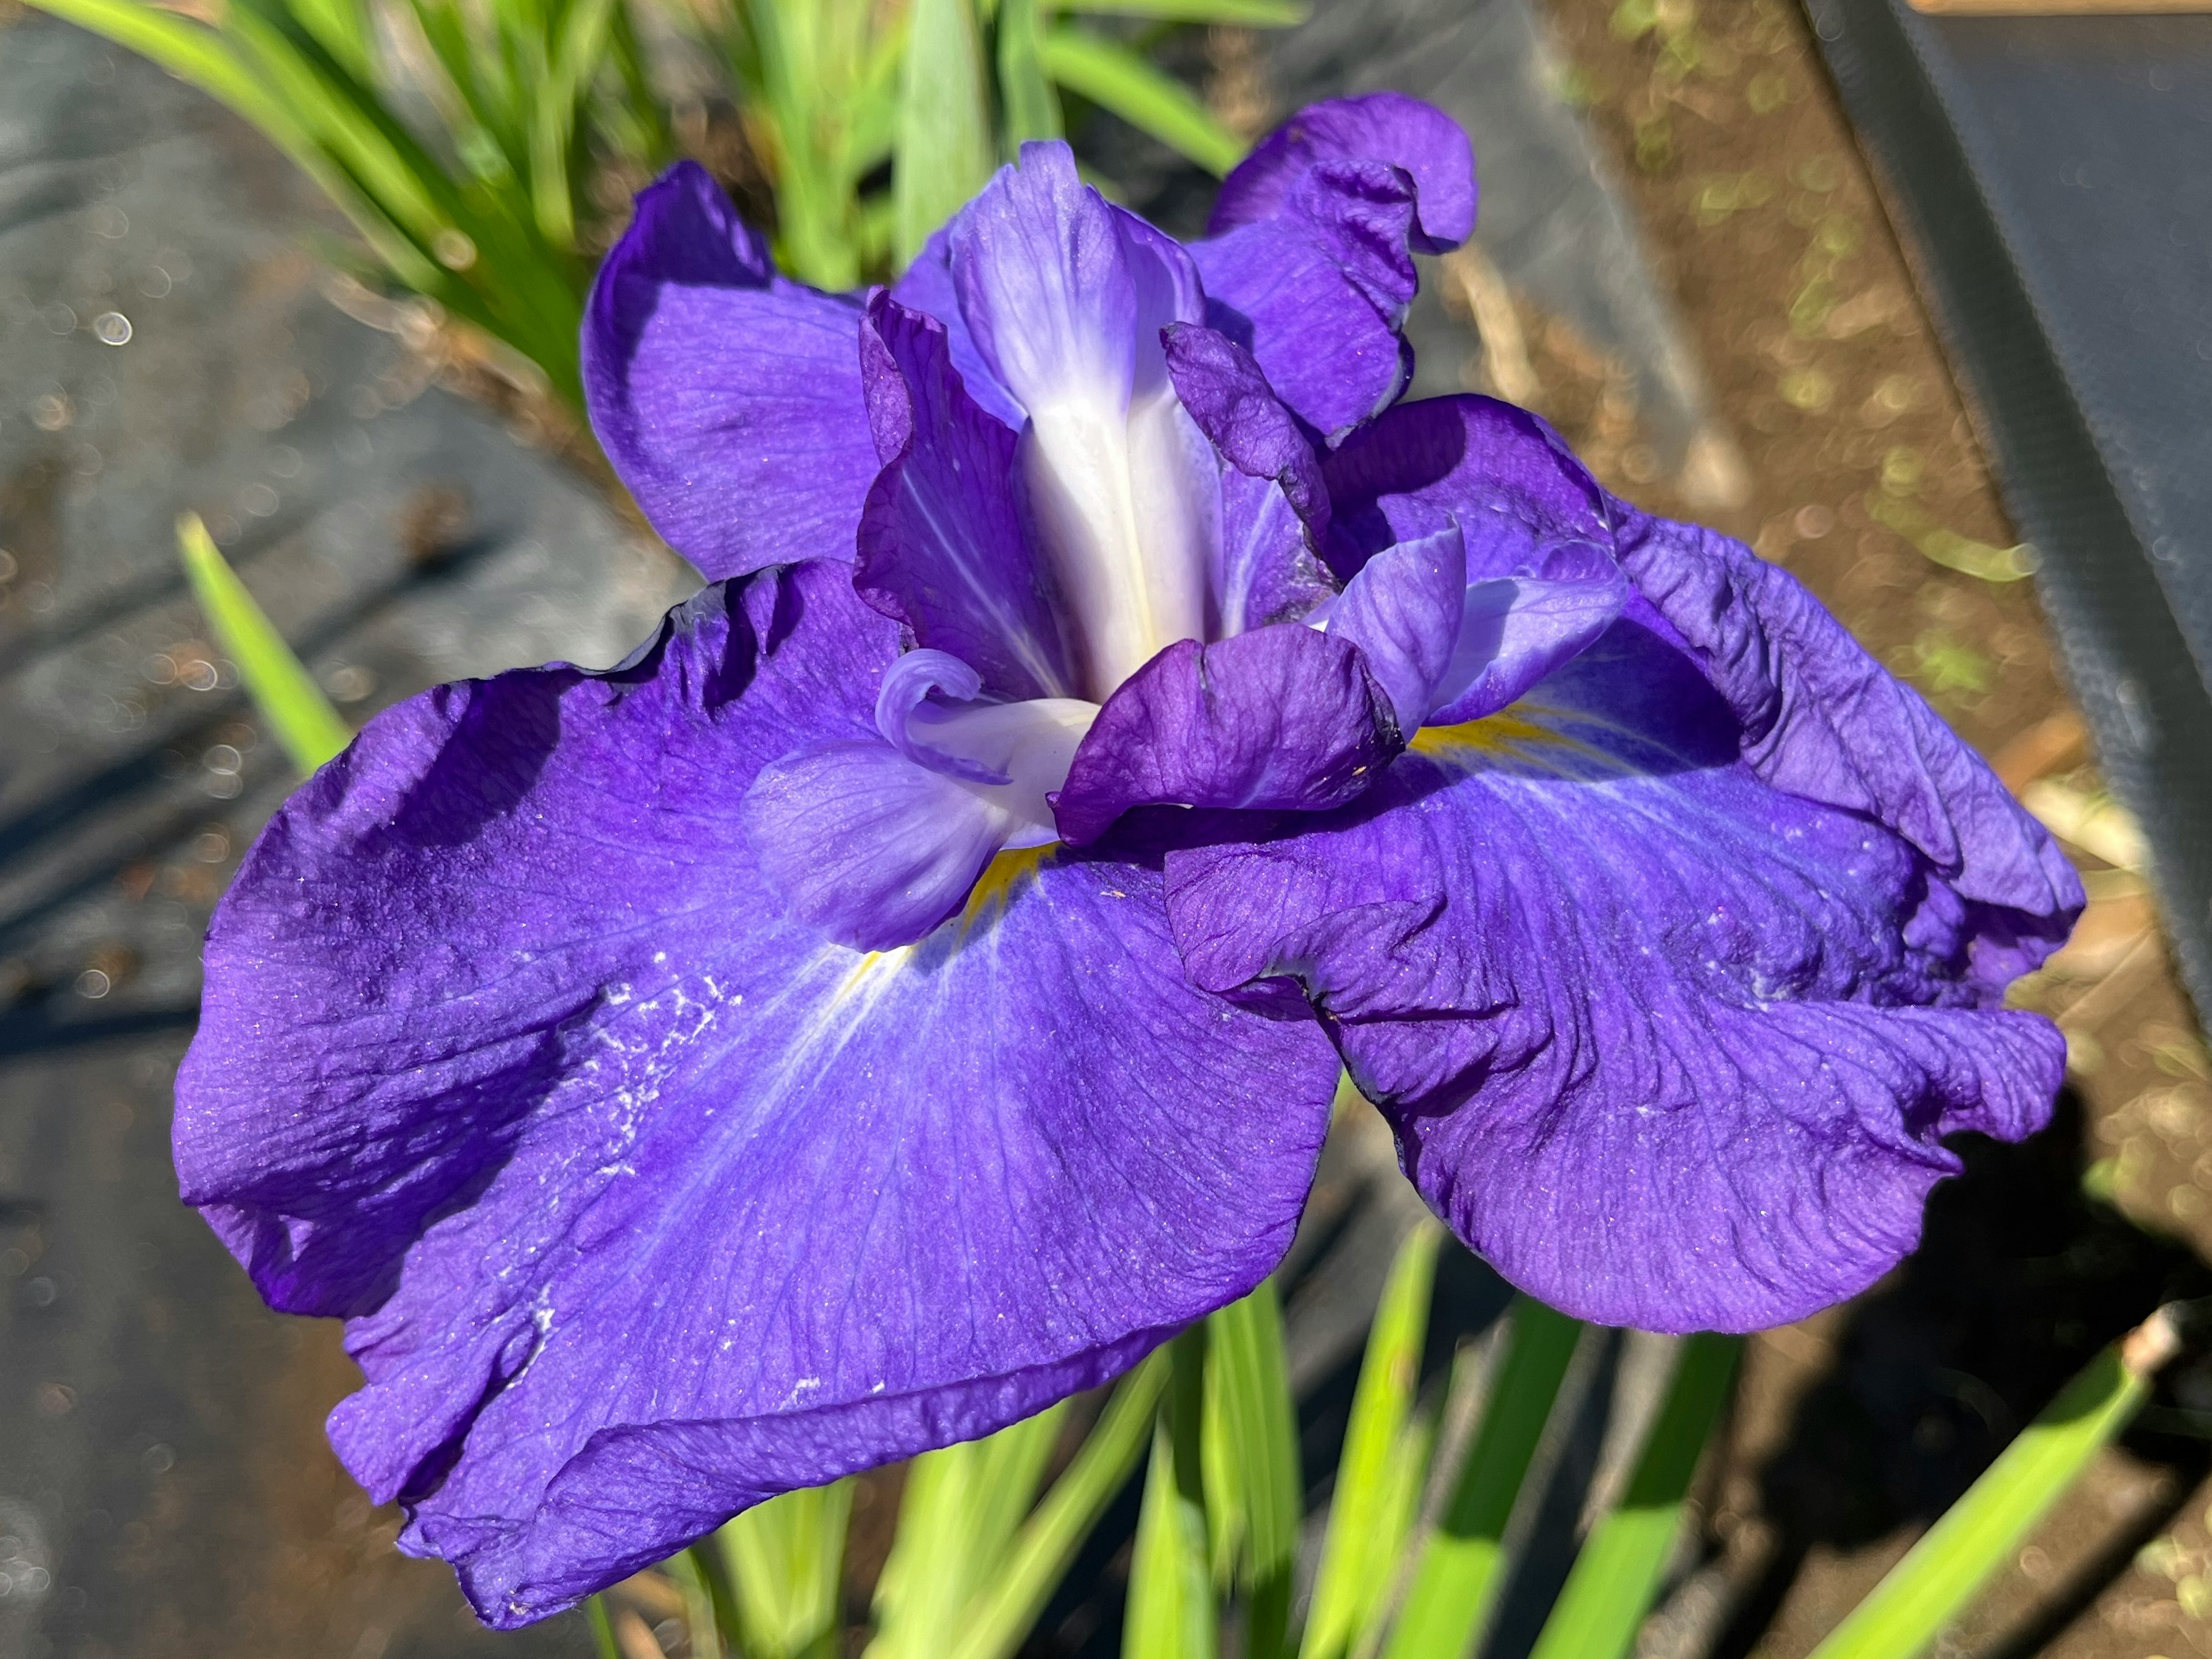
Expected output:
(479, 147)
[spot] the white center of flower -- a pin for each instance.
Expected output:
(1128, 506)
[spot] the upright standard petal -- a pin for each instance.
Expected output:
(927, 287)
(1418, 139)
(1309, 261)
(1318, 293)
(647, 1203)
(1670, 1047)
(728, 398)
(1823, 720)
(945, 545)
(1280, 719)
(1066, 297)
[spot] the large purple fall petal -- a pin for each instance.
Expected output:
(647, 1202)
(1671, 1047)
(727, 397)
(1418, 138)
(1280, 719)
(943, 544)
(1823, 720)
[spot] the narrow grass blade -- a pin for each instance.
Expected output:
(299, 716)
(1171, 1612)
(345, 30)
(703, 1614)
(1117, 79)
(1976, 1535)
(1029, 108)
(1258, 14)
(1456, 1577)
(603, 1628)
(1255, 1487)
(1358, 1549)
(1000, 1616)
(577, 51)
(944, 150)
(786, 1560)
(1617, 1574)
(962, 1506)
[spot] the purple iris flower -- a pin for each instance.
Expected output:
(913, 985)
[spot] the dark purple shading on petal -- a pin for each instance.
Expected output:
(1515, 489)
(728, 398)
(1225, 391)
(1274, 502)
(943, 544)
(1281, 719)
(1418, 138)
(647, 1202)
(1671, 1047)
(1823, 720)
(1317, 292)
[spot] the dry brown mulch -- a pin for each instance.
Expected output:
(1865, 477)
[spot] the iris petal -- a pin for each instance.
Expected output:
(1518, 495)
(867, 847)
(728, 398)
(1281, 719)
(943, 544)
(1418, 138)
(1318, 293)
(1066, 301)
(927, 287)
(1274, 502)
(1670, 1047)
(646, 1203)
(1823, 720)
(1404, 611)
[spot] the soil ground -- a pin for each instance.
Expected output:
(1865, 479)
